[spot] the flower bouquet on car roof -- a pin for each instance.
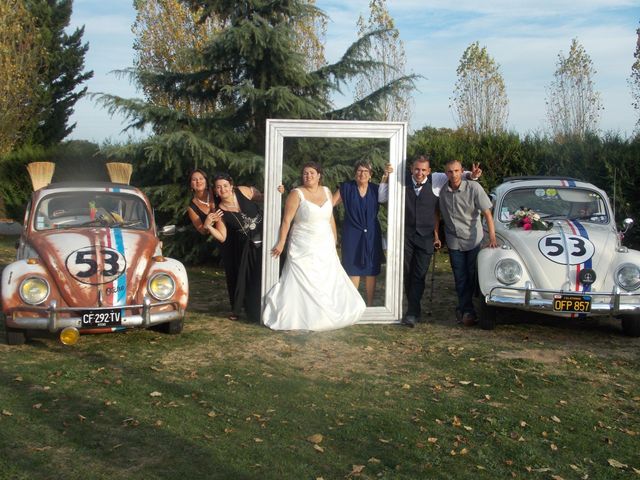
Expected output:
(527, 219)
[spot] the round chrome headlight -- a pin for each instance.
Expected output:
(161, 286)
(508, 271)
(34, 290)
(628, 276)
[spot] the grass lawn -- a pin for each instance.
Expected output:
(534, 399)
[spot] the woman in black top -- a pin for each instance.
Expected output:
(242, 248)
(202, 209)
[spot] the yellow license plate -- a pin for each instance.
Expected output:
(571, 303)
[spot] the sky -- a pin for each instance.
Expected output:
(523, 36)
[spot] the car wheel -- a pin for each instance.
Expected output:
(14, 336)
(172, 328)
(486, 315)
(631, 325)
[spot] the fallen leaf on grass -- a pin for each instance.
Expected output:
(37, 406)
(155, 394)
(635, 470)
(406, 386)
(17, 379)
(616, 464)
(554, 447)
(373, 460)
(556, 477)
(384, 440)
(456, 422)
(464, 382)
(356, 469)
(7, 413)
(432, 440)
(315, 438)
(39, 449)
(318, 448)
(258, 440)
(555, 419)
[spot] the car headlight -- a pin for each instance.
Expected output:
(34, 290)
(161, 286)
(508, 271)
(628, 276)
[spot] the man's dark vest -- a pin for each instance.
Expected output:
(419, 212)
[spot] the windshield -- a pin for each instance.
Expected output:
(555, 203)
(91, 209)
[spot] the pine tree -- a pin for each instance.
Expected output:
(252, 70)
(62, 75)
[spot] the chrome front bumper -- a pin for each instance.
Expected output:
(602, 303)
(50, 319)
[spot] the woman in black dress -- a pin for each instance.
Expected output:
(242, 248)
(202, 209)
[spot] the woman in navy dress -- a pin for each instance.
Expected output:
(361, 233)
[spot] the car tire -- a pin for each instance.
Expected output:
(173, 327)
(486, 315)
(15, 337)
(631, 325)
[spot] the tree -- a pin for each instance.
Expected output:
(252, 70)
(480, 98)
(62, 74)
(388, 49)
(634, 80)
(20, 59)
(168, 33)
(573, 106)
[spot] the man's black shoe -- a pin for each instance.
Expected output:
(409, 321)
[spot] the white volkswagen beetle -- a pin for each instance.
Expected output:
(560, 254)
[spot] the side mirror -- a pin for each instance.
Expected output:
(627, 223)
(167, 230)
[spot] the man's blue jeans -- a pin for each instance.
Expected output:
(464, 269)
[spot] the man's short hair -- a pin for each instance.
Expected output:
(421, 159)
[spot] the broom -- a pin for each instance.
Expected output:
(40, 173)
(120, 172)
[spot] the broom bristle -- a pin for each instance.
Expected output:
(40, 173)
(120, 172)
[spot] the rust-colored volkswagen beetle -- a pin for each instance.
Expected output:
(89, 260)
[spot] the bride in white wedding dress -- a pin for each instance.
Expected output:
(314, 292)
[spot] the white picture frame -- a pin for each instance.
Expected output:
(396, 134)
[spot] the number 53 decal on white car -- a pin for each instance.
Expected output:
(574, 251)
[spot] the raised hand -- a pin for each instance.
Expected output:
(476, 171)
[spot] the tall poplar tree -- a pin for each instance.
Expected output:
(634, 81)
(387, 48)
(573, 104)
(480, 98)
(63, 74)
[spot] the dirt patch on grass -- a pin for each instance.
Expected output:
(546, 356)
